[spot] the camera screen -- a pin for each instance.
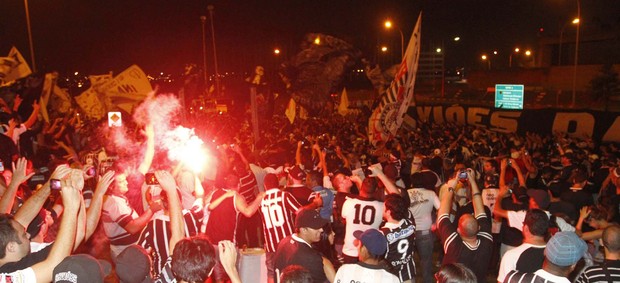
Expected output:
(55, 184)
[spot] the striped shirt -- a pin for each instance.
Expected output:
(278, 209)
(116, 214)
(476, 257)
(156, 236)
(609, 271)
(401, 242)
(540, 276)
(248, 187)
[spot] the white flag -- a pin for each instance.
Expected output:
(388, 116)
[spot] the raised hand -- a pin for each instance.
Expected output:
(61, 172)
(71, 198)
(104, 182)
(19, 174)
(166, 181)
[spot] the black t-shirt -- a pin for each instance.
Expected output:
(301, 194)
(531, 259)
(293, 251)
(28, 261)
(578, 198)
(338, 225)
(559, 208)
(456, 250)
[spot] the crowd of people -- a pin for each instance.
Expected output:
(440, 203)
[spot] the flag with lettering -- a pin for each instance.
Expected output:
(19, 68)
(123, 92)
(389, 114)
(126, 90)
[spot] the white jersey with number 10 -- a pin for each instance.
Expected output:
(360, 214)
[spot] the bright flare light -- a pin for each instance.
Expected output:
(384, 49)
(185, 147)
(575, 21)
(438, 50)
(528, 53)
(388, 24)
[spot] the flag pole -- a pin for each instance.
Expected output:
(34, 66)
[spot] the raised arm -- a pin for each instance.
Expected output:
(94, 210)
(517, 169)
(446, 193)
(65, 238)
(177, 226)
(498, 211)
(149, 132)
(476, 196)
(33, 116)
(19, 176)
(389, 185)
(298, 153)
(33, 205)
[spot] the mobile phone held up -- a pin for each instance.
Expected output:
(463, 174)
(55, 184)
(150, 179)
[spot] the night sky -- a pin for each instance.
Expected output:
(100, 36)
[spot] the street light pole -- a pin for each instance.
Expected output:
(388, 24)
(217, 73)
(576, 51)
(34, 65)
(203, 20)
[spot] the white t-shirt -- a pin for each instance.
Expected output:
(510, 258)
(21, 276)
(422, 203)
(516, 218)
(360, 214)
(364, 273)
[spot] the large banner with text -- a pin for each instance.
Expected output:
(601, 126)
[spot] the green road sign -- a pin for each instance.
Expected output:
(509, 96)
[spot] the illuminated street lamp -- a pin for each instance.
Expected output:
(484, 57)
(388, 25)
(276, 51)
(384, 49)
(575, 21)
(528, 53)
(510, 57)
(438, 50)
(457, 38)
(576, 51)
